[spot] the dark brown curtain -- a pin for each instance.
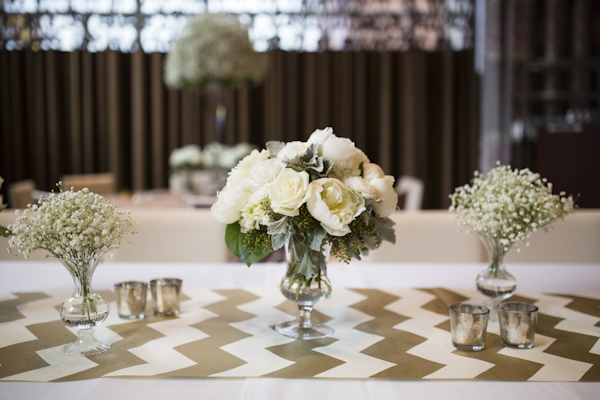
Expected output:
(414, 113)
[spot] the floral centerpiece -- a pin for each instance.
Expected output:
(79, 229)
(505, 207)
(314, 197)
(204, 171)
(213, 49)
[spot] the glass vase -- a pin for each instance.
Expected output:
(495, 282)
(84, 309)
(306, 292)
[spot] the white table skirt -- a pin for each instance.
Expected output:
(21, 276)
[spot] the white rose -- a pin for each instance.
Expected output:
(230, 201)
(372, 171)
(361, 186)
(293, 150)
(334, 205)
(387, 198)
(263, 173)
(288, 191)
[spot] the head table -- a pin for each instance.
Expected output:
(392, 335)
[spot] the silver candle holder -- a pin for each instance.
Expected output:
(131, 299)
(517, 324)
(165, 296)
(468, 324)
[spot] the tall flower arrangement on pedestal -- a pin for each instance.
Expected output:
(317, 197)
(213, 49)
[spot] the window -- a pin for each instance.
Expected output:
(291, 25)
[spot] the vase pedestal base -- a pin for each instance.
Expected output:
(86, 344)
(294, 330)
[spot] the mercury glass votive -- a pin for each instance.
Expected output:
(165, 296)
(131, 299)
(468, 324)
(517, 324)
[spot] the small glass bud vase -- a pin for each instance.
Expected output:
(305, 292)
(84, 309)
(495, 282)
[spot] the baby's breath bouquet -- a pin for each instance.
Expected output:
(312, 197)
(213, 49)
(505, 207)
(79, 229)
(70, 224)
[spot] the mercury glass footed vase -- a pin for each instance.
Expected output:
(305, 292)
(84, 309)
(495, 282)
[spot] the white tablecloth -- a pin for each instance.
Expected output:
(20, 276)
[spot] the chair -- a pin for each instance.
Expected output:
(410, 189)
(103, 184)
(20, 193)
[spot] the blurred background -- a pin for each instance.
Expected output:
(428, 89)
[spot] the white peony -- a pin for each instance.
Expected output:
(293, 150)
(319, 136)
(334, 205)
(230, 201)
(288, 192)
(341, 151)
(372, 171)
(387, 198)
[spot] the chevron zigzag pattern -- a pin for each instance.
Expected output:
(401, 334)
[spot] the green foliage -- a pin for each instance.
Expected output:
(251, 247)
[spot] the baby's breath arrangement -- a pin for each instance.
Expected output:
(506, 206)
(213, 49)
(69, 224)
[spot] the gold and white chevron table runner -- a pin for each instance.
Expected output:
(397, 334)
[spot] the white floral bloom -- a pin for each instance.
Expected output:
(230, 201)
(506, 206)
(334, 205)
(263, 173)
(361, 186)
(244, 166)
(288, 192)
(387, 198)
(293, 150)
(253, 215)
(372, 171)
(319, 136)
(67, 225)
(342, 152)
